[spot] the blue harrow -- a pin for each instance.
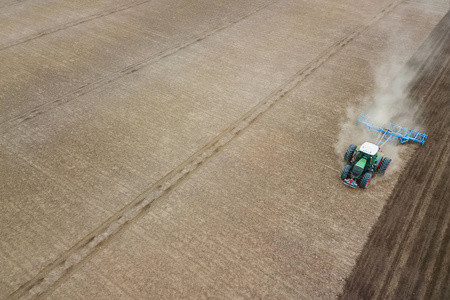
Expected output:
(389, 130)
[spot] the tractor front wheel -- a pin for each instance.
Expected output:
(345, 172)
(349, 154)
(384, 165)
(364, 183)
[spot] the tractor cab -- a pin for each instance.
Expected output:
(368, 151)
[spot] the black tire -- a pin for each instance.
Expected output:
(349, 154)
(345, 172)
(364, 183)
(384, 165)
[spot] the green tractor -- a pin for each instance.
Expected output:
(367, 160)
(362, 163)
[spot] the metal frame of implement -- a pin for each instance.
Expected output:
(389, 130)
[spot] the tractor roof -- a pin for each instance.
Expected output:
(369, 148)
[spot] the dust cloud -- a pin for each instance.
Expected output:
(390, 103)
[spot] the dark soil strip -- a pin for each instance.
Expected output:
(407, 253)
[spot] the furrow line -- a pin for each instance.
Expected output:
(87, 88)
(70, 24)
(12, 3)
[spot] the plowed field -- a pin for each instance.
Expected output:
(185, 149)
(408, 253)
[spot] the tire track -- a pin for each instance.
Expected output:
(61, 268)
(429, 6)
(85, 89)
(14, 2)
(71, 24)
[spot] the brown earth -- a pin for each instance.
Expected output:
(179, 149)
(407, 255)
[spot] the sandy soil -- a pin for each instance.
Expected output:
(185, 149)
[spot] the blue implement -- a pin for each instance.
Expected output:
(389, 130)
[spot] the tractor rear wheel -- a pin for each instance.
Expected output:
(384, 165)
(364, 183)
(349, 154)
(345, 172)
